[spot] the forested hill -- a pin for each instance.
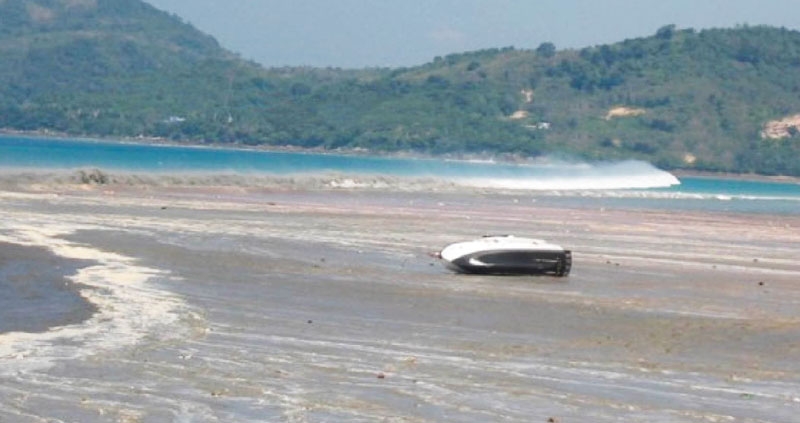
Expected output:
(720, 100)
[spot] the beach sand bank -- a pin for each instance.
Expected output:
(231, 304)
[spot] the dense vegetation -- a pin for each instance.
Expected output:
(692, 99)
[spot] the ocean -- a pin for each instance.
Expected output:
(624, 184)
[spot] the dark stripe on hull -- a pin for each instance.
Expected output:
(556, 263)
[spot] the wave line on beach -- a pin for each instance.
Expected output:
(129, 306)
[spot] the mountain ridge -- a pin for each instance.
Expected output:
(682, 99)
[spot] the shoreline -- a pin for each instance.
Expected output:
(359, 152)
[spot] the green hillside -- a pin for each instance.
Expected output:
(681, 99)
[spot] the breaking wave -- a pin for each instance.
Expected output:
(450, 177)
(581, 176)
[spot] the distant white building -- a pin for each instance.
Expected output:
(175, 119)
(541, 125)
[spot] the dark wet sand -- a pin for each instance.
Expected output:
(35, 293)
(325, 306)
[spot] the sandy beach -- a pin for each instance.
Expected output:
(223, 304)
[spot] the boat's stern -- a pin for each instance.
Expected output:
(564, 264)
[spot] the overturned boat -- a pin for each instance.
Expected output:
(507, 255)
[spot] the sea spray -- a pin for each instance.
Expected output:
(581, 176)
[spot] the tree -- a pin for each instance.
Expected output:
(666, 32)
(300, 89)
(546, 50)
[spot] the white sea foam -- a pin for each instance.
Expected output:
(129, 307)
(677, 195)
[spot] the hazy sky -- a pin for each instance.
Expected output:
(363, 33)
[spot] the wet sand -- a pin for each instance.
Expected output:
(229, 304)
(35, 292)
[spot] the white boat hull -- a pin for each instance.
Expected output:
(507, 256)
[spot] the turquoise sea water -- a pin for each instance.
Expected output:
(625, 184)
